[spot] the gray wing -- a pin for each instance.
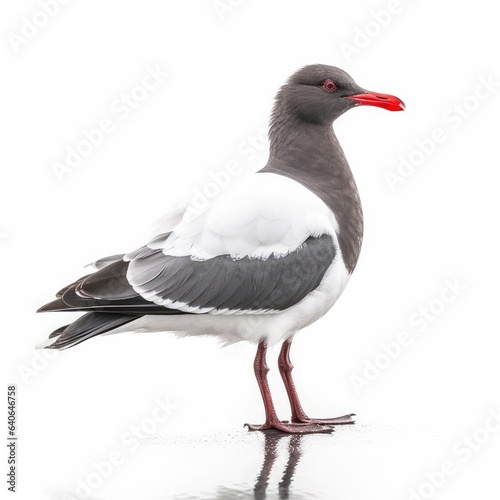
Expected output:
(222, 284)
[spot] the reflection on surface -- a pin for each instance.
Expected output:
(270, 466)
(271, 460)
(270, 454)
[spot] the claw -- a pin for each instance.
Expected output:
(343, 420)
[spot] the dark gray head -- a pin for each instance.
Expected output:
(320, 94)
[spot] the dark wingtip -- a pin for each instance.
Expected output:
(55, 305)
(58, 332)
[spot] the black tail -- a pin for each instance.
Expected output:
(87, 326)
(108, 300)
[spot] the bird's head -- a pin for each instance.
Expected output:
(320, 94)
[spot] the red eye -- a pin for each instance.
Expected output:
(329, 86)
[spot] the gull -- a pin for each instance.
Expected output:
(268, 257)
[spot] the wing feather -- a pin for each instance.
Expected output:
(261, 248)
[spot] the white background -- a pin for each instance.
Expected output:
(224, 67)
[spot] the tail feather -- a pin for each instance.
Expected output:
(87, 326)
(58, 332)
(107, 298)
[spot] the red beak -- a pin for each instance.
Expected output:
(386, 101)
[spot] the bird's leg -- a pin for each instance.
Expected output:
(286, 367)
(261, 369)
(272, 421)
(298, 414)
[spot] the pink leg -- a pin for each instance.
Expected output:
(272, 421)
(298, 414)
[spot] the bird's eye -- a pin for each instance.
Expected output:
(329, 86)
